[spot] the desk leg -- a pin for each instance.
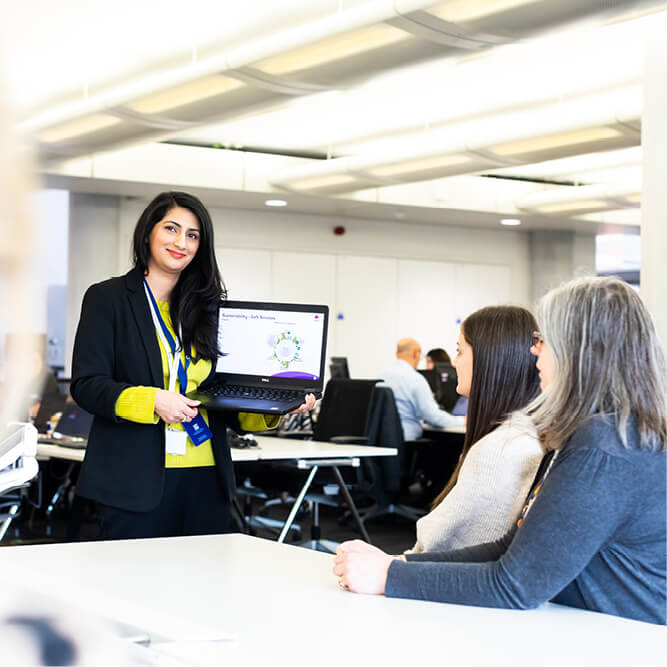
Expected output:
(297, 504)
(350, 503)
(60, 491)
(9, 517)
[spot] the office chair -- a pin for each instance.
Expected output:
(344, 411)
(338, 368)
(342, 419)
(388, 476)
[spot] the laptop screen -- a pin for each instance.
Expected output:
(269, 340)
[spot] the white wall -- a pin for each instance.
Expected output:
(48, 261)
(93, 252)
(558, 256)
(382, 280)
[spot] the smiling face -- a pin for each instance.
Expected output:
(174, 241)
(463, 364)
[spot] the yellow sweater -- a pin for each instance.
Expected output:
(137, 404)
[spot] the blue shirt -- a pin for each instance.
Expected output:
(414, 400)
(594, 538)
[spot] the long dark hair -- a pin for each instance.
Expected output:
(504, 376)
(196, 297)
(439, 356)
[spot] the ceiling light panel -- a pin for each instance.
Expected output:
(521, 18)
(540, 144)
(572, 206)
(461, 11)
(193, 91)
(437, 163)
(77, 128)
(562, 144)
(334, 48)
(323, 182)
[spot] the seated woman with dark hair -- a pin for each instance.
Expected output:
(501, 452)
(436, 356)
(593, 531)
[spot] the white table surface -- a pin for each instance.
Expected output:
(270, 448)
(447, 429)
(280, 605)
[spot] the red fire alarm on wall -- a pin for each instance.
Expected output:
(339, 230)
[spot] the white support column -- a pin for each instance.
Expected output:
(93, 253)
(653, 278)
(558, 256)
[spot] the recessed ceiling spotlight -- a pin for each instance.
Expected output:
(510, 222)
(275, 202)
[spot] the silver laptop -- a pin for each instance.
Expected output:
(272, 355)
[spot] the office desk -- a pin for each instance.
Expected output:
(307, 455)
(270, 449)
(281, 605)
(428, 429)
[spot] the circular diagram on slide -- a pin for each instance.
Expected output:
(286, 348)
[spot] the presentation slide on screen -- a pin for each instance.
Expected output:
(270, 343)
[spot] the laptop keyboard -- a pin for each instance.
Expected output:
(261, 393)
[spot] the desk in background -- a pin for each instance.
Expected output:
(307, 455)
(281, 605)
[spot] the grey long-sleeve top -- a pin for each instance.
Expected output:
(594, 538)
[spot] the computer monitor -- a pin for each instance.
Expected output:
(74, 421)
(338, 368)
(447, 380)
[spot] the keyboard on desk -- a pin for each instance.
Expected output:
(73, 442)
(249, 399)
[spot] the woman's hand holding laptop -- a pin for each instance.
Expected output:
(305, 407)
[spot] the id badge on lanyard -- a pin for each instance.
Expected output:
(197, 429)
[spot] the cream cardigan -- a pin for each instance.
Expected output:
(492, 486)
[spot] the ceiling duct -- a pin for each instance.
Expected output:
(555, 131)
(331, 52)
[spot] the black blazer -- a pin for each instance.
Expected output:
(116, 347)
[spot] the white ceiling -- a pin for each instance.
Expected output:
(418, 142)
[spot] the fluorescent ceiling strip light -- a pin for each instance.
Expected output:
(188, 93)
(634, 199)
(555, 141)
(460, 11)
(323, 181)
(420, 165)
(574, 206)
(333, 48)
(77, 127)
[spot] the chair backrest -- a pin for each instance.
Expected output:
(344, 409)
(447, 381)
(338, 368)
(383, 429)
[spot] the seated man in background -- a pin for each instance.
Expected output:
(413, 395)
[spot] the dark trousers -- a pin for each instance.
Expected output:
(192, 504)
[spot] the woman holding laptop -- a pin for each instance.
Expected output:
(156, 464)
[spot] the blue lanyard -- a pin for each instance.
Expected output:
(175, 349)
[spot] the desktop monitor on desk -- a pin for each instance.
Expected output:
(447, 381)
(443, 380)
(338, 368)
